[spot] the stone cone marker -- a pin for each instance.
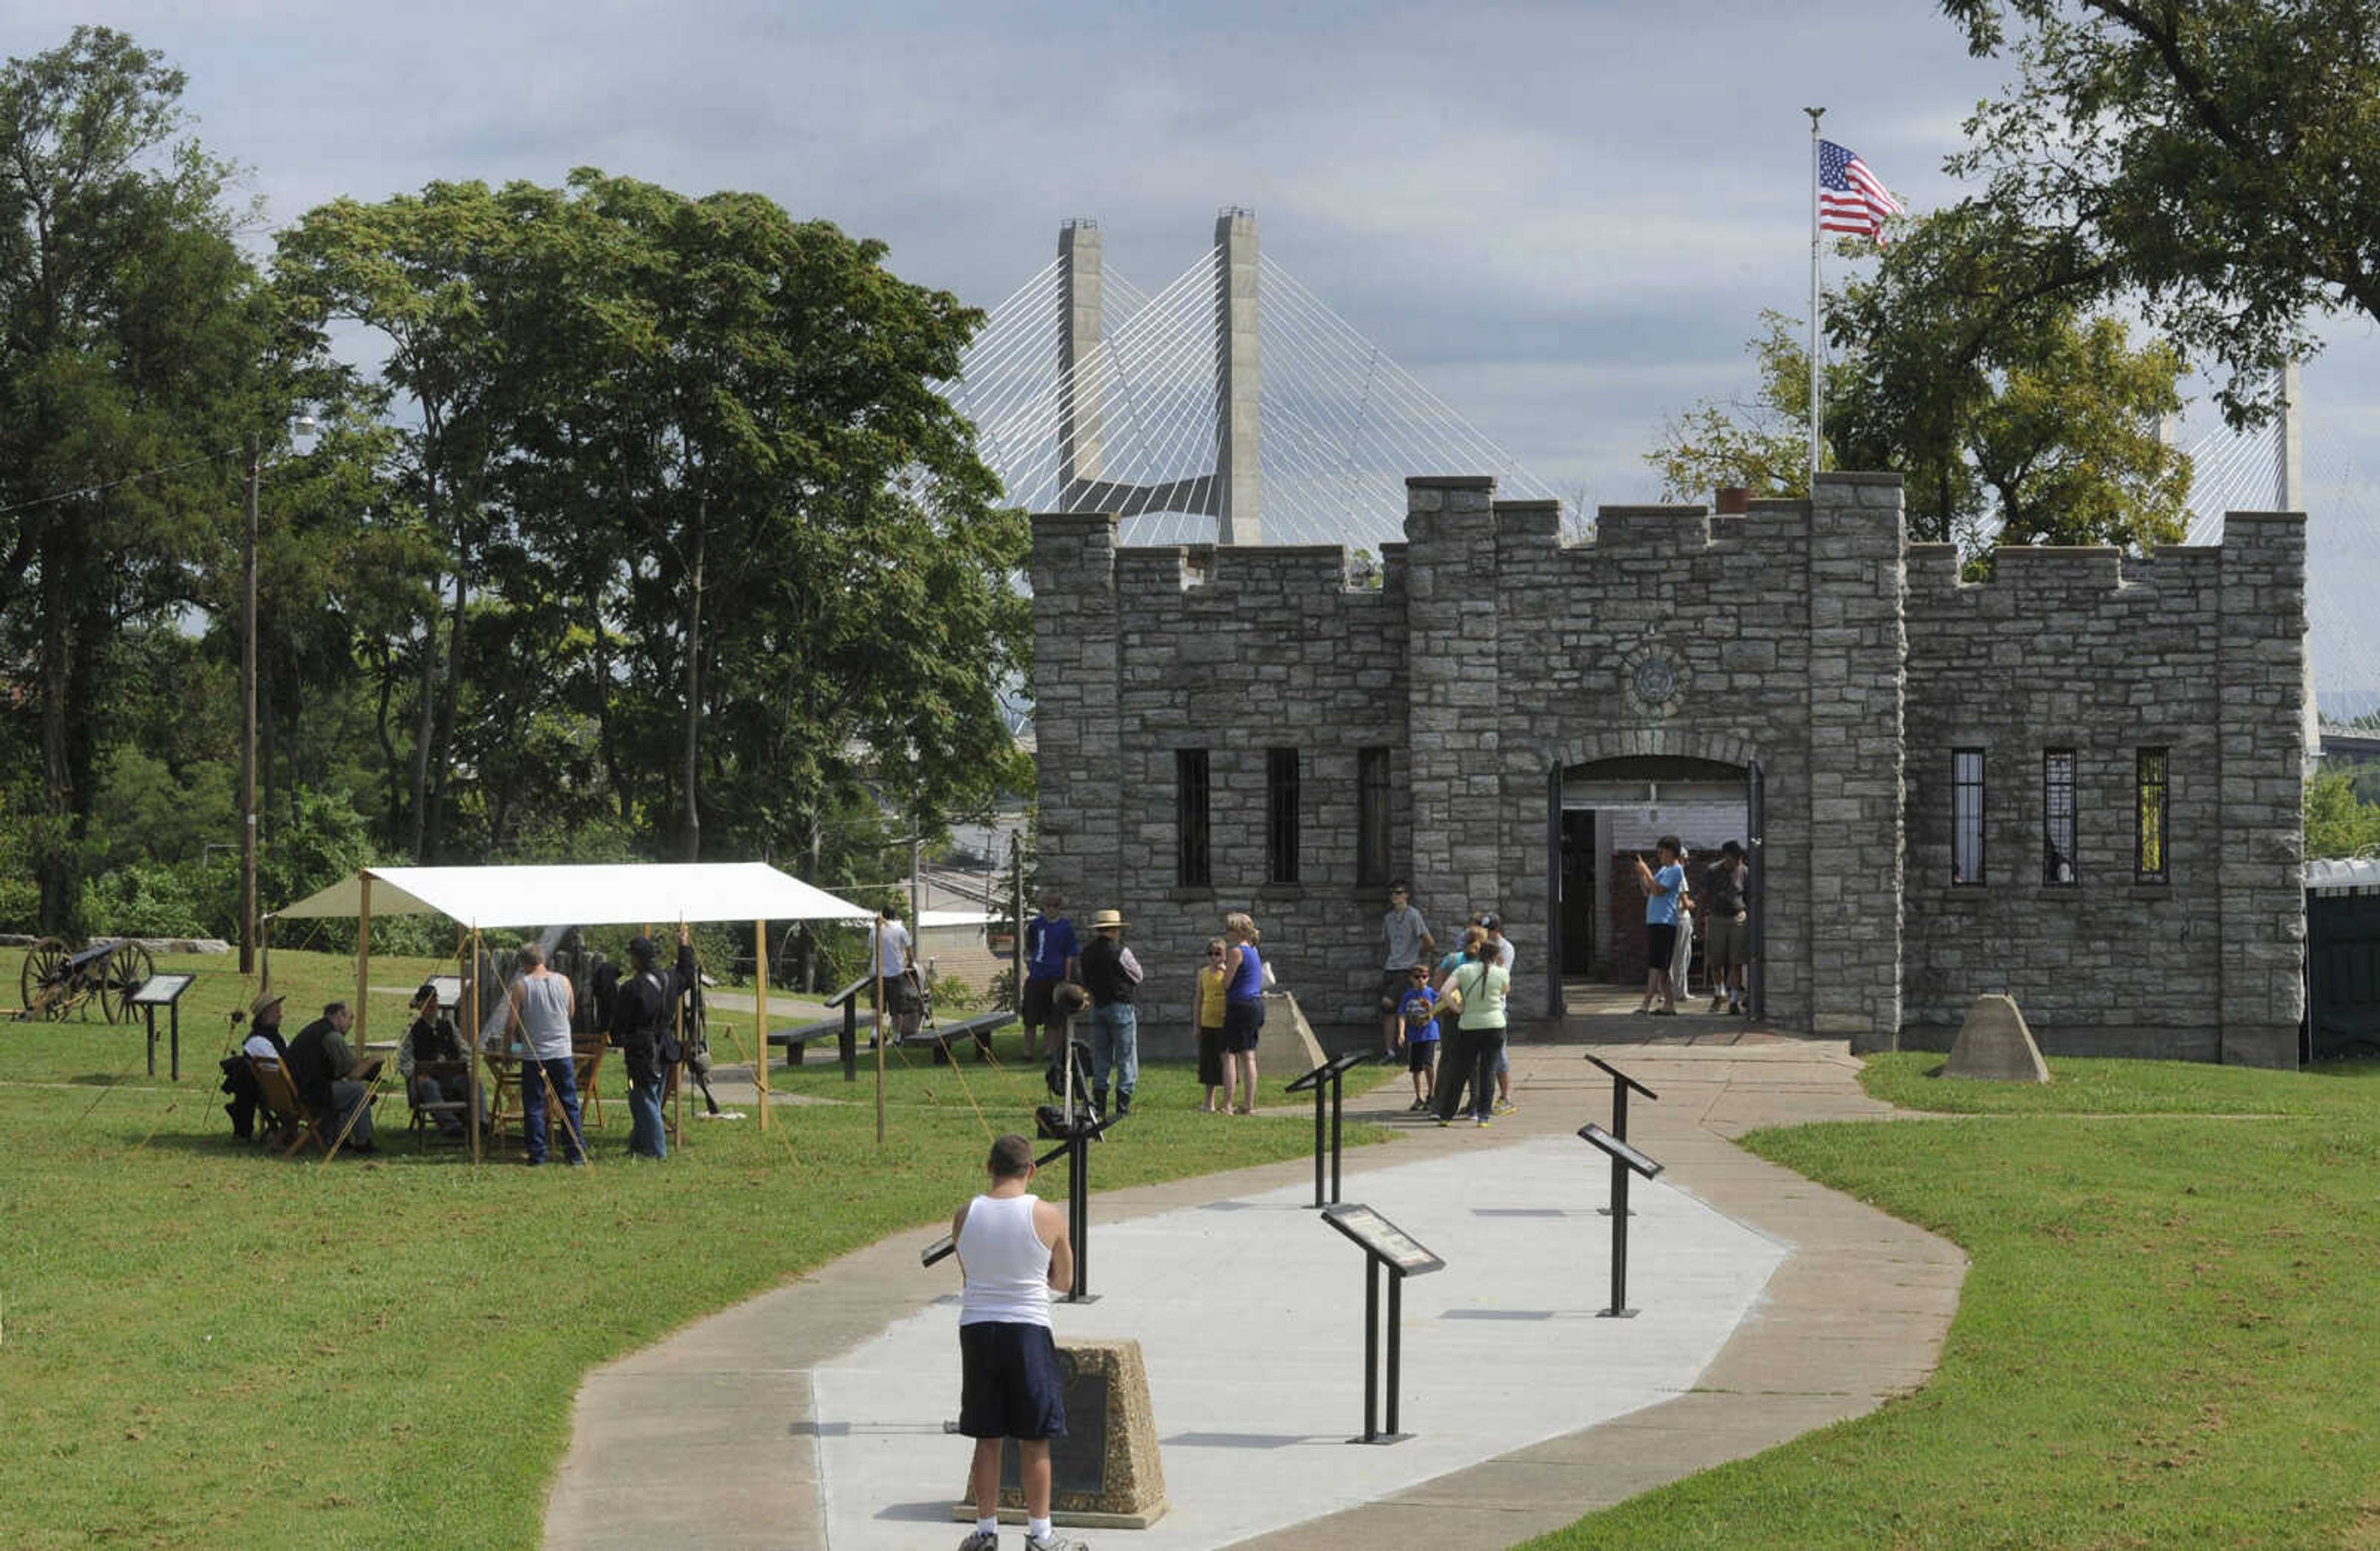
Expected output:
(1995, 1044)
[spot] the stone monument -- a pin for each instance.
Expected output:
(1104, 1473)
(1995, 1044)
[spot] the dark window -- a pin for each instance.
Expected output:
(2057, 817)
(1191, 866)
(2148, 860)
(1280, 816)
(1372, 816)
(1967, 816)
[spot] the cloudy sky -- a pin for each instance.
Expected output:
(1564, 219)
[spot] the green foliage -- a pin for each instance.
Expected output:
(2013, 417)
(2337, 821)
(2218, 164)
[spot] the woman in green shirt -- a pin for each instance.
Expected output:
(1478, 1039)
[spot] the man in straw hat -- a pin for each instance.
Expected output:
(264, 1041)
(1111, 974)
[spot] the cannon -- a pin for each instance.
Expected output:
(57, 980)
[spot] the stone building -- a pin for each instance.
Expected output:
(2078, 783)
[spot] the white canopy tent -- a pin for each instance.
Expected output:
(595, 895)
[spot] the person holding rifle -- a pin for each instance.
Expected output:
(644, 1025)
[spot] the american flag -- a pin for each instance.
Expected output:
(1851, 198)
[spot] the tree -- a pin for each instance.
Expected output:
(2219, 161)
(2013, 417)
(135, 345)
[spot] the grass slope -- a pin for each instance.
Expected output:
(2167, 1337)
(204, 1346)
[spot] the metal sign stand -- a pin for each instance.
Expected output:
(1625, 1160)
(1389, 1248)
(164, 990)
(1621, 1083)
(1331, 1074)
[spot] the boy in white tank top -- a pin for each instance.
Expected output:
(1012, 1249)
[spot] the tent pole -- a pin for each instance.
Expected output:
(363, 959)
(876, 951)
(471, 1052)
(760, 1017)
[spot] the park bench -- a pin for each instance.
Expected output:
(795, 1041)
(978, 1028)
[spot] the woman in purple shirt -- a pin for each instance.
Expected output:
(1242, 1009)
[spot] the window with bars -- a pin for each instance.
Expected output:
(1967, 817)
(2149, 783)
(1372, 816)
(1280, 816)
(1191, 867)
(2057, 817)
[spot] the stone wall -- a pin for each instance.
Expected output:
(2197, 651)
(1805, 640)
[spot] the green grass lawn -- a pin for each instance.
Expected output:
(2170, 1335)
(201, 1345)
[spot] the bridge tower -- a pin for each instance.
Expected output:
(1233, 493)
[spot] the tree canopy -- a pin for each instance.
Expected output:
(647, 535)
(2015, 417)
(2216, 162)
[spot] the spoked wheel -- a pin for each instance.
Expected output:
(127, 969)
(41, 987)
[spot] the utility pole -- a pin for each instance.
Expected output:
(248, 714)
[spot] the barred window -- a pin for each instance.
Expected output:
(1280, 816)
(2057, 817)
(1967, 817)
(2149, 779)
(1372, 816)
(1191, 868)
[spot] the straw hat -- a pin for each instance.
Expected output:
(264, 1000)
(1106, 918)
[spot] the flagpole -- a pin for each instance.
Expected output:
(1816, 114)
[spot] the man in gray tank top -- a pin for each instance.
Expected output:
(541, 1002)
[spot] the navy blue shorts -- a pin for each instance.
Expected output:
(1009, 1386)
(1242, 1023)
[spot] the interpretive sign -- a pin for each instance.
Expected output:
(1328, 1077)
(1387, 1248)
(166, 991)
(1625, 1160)
(1383, 1239)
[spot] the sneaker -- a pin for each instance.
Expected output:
(1504, 1106)
(1481, 1121)
(1417, 1106)
(1717, 1002)
(1444, 1122)
(980, 1540)
(1054, 1541)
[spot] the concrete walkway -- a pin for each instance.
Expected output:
(698, 1442)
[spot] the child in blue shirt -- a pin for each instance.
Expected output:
(1417, 1031)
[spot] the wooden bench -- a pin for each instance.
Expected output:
(978, 1028)
(795, 1041)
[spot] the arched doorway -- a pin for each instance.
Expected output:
(1605, 809)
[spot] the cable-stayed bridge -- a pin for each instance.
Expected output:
(2300, 464)
(1231, 405)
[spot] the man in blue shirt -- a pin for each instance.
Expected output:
(1663, 888)
(1052, 957)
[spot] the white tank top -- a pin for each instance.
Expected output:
(1007, 1263)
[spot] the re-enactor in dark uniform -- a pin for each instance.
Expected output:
(644, 1025)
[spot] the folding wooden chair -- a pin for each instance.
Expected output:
(292, 1127)
(586, 1060)
(423, 1115)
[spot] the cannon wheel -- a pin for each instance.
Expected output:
(125, 970)
(43, 979)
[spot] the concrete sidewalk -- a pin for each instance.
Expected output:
(696, 1442)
